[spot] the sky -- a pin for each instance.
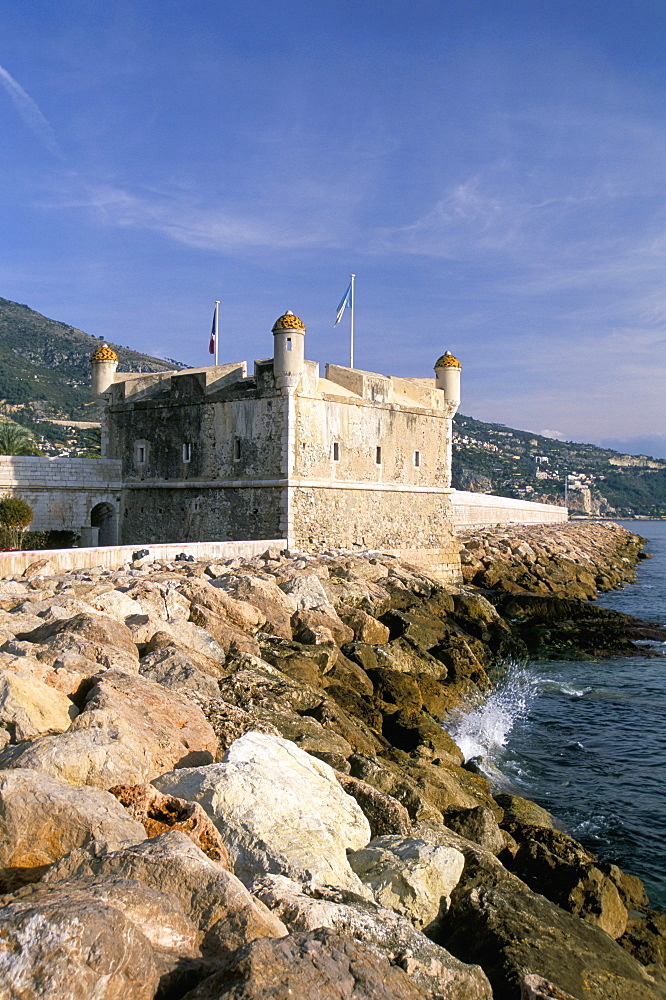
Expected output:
(493, 171)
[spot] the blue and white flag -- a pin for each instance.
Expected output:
(344, 302)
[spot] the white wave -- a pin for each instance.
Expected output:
(484, 729)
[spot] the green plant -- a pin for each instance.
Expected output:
(16, 440)
(15, 516)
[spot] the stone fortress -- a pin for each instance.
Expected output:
(352, 459)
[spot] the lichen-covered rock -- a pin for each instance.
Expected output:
(103, 639)
(225, 914)
(174, 669)
(320, 964)
(433, 969)
(410, 876)
(278, 810)
(306, 591)
(159, 813)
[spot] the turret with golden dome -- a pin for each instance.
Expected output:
(447, 360)
(288, 322)
(105, 353)
(447, 378)
(288, 351)
(104, 363)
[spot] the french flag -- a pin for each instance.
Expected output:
(213, 333)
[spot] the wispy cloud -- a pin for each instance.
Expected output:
(30, 113)
(183, 217)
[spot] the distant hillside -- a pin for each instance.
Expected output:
(45, 365)
(492, 458)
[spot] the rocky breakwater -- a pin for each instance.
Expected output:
(229, 781)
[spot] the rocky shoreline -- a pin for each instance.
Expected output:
(229, 780)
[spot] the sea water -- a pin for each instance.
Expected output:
(587, 739)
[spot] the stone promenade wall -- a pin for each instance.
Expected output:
(13, 564)
(486, 509)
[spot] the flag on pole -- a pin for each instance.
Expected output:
(213, 333)
(344, 302)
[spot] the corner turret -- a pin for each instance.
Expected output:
(447, 378)
(288, 351)
(103, 363)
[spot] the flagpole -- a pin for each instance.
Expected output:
(351, 324)
(217, 325)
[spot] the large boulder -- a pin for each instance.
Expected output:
(511, 932)
(175, 669)
(161, 726)
(384, 813)
(558, 866)
(225, 914)
(278, 810)
(264, 594)
(42, 818)
(320, 964)
(89, 756)
(30, 708)
(433, 969)
(108, 642)
(410, 876)
(238, 614)
(306, 591)
(111, 939)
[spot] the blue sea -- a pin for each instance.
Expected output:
(587, 740)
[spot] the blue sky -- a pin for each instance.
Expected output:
(492, 170)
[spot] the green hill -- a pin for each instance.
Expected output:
(45, 365)
(492, 458)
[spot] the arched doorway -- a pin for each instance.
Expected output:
(103, 516)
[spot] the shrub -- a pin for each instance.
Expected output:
(15, 516)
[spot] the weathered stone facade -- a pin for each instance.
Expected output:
(353, 459)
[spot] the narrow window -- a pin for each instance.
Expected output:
(378, 455)
(187, 451)
(417, 459)
(288, 343)
(237, 449)
(336, 451)
(141, 453)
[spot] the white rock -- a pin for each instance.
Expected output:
(30, 708)
(307, 591)
(83, 757)
(410, 876)
(278, 810)
(116, 605)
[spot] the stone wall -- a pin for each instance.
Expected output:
(63, 492)
(416, 524)
(184, 512)
(487, 509)
(360, 427)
